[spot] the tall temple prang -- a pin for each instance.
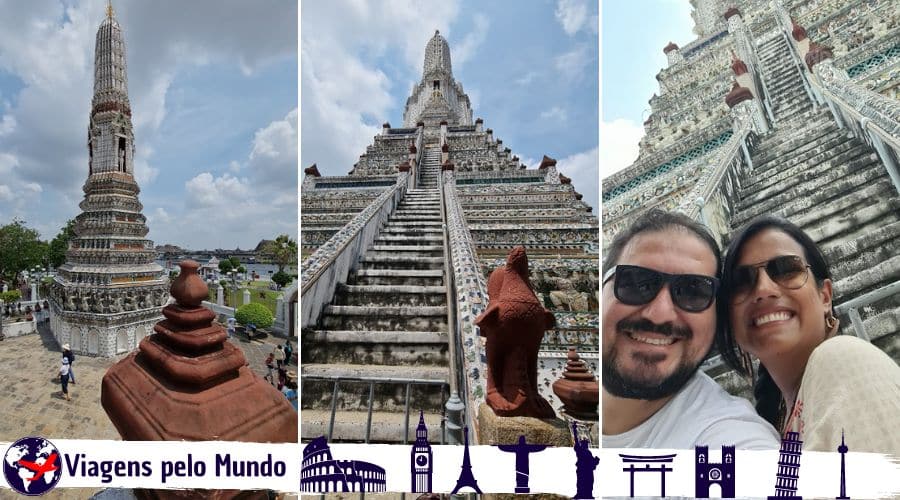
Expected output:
(396, 255)
(438, 96)
(108, 294)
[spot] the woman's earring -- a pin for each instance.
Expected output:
(831, 323)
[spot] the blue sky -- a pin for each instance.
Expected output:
(530, 69)
(213, 89)
(633, 36)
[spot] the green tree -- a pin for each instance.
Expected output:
(20, 249)
(56, 255)
(225, 266)
(255, 313)
(283, 251)
(282, 279)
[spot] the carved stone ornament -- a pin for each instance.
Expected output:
(514, 324)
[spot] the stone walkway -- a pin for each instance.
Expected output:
(31, 402)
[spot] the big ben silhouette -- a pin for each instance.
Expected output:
(420, 465)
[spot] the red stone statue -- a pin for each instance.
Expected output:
(514, 324)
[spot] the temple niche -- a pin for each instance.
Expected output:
(110, 286)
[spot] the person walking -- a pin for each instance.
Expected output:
(279, 356)
(68, 354)
(270, 365)
(288, 352)
(64, 377)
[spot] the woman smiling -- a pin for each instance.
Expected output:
(777, 299)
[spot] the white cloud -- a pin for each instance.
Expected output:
(160, 216)
(204, 190)
(572, 64)
(619, 141)
(7, 125)
(526, 78)
(582, 168)
(273, 159)
(5, 193)
(572, 15)
(462, 51)
(339, 121)
(33, 187)
(555, 113)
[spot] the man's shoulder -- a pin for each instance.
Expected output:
(718, 418)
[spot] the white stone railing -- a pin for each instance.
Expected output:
(871, 116)
(471, 298)
(330, 264)
(712, 198)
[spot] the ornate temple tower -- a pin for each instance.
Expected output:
(108, 294)
(438, 97)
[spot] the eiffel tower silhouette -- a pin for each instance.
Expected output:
(465, 475)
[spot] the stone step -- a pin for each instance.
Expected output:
(382, 318)
(389, 392)
(850, 257)
(406, 248)
(847, 161)
(799, 153)
(408, 215)
(422, 239)
(409, 230)
(867, 280)
(849, 226)
(818, 159)
(390, 295)
(429, 277)
(387, 427)
(813, 204)
(391, 223)
(830, 184)
(787, 138)
(400, 262)
(395, 348)
(883, 329)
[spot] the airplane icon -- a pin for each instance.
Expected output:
(40, 469)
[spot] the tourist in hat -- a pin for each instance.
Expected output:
(64, 377)
(68, 354)
(777, 298)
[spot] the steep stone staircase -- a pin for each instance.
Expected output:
(784, 81)
(834, 187)
(431, 168)
(387, 324)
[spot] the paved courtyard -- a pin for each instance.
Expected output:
(31, 402)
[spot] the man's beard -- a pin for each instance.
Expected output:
(623, 386)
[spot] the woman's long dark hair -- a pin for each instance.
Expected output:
(768, 396)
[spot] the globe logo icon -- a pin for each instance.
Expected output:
(32, 466)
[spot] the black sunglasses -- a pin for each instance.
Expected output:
(788, 271)
(636, 285)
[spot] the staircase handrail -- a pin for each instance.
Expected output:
(852, 306)
(882, 111)
(338, 255)
(873, 117)
(469, 299)
(711, 181)
(420, 155)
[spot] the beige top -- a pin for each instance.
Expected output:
(852, 386)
